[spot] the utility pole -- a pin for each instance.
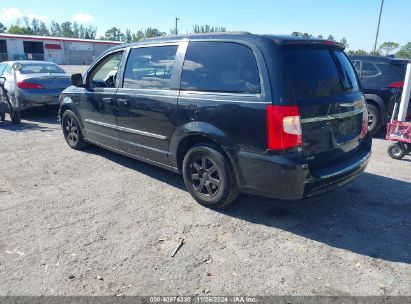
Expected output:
(378, 27)
(177, 19)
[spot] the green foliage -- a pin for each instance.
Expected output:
(20, 30)
(202, 29)
(405, 51)
(375, 53)
(357, 52)
(3, 29)
(344, 42)
(114, 34)
(65, 29)
(388, 46)
(331, 38)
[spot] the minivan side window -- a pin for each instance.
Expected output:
(105, 74)
(150, 68)
(220, 67)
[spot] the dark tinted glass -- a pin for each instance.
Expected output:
(348, 78)
(220, 67)
(402, 68)
(369, 69)
(150, 68)
(313, 72)
(357, 66)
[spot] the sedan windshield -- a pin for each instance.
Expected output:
(32, 68)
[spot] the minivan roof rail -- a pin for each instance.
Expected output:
(198, 35)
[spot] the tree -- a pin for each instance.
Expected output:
(67, 30)
(405, 51)
(388, 46)
(375, 53)
(357, 52)
(20, 30)
(128, 36)
(114, 34)
(202, 29)
(35, 26)
(44, 31)
(320, 37)
(344, 42)
(153, 32)
(138, 35)
(331, 38)
(55, 29)
(3, 29)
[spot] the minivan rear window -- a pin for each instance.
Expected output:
(314, 72)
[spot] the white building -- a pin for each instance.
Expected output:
(54, 49)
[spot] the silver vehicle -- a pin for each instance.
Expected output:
(38, 83)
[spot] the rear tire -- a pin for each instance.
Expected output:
(397, 151)
(209, 177)
(2, 116)
(16, 117)
(72, 131)
(374, 119)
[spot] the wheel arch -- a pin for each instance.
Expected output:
(379, 102)
(193, 133)
(68, 104)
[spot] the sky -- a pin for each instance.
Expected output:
(356, 20)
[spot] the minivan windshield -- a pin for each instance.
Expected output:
(317, 71)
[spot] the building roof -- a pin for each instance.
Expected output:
(33, 37)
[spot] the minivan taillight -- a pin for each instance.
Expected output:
(29, 85)
(283, 127)
(364, 129)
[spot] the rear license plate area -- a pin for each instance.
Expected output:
(345, 129)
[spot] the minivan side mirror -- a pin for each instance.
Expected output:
(77, 80)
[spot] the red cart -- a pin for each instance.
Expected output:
(399, 131)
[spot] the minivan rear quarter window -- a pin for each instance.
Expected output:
(314, 72)
(220, 67)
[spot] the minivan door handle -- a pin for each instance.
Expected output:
(123, 101)
(108, 100)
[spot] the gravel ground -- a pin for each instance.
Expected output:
(96, 223)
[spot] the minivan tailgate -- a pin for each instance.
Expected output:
(331, 131)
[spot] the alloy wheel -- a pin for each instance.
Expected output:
(370, 118)
(205, 176)
(71, 130)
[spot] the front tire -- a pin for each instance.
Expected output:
(72, 131)
(374, 119)
(397, 151)
(209, 176)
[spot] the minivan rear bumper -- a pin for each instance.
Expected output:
(286, 178)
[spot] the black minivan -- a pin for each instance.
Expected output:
(277, 116)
